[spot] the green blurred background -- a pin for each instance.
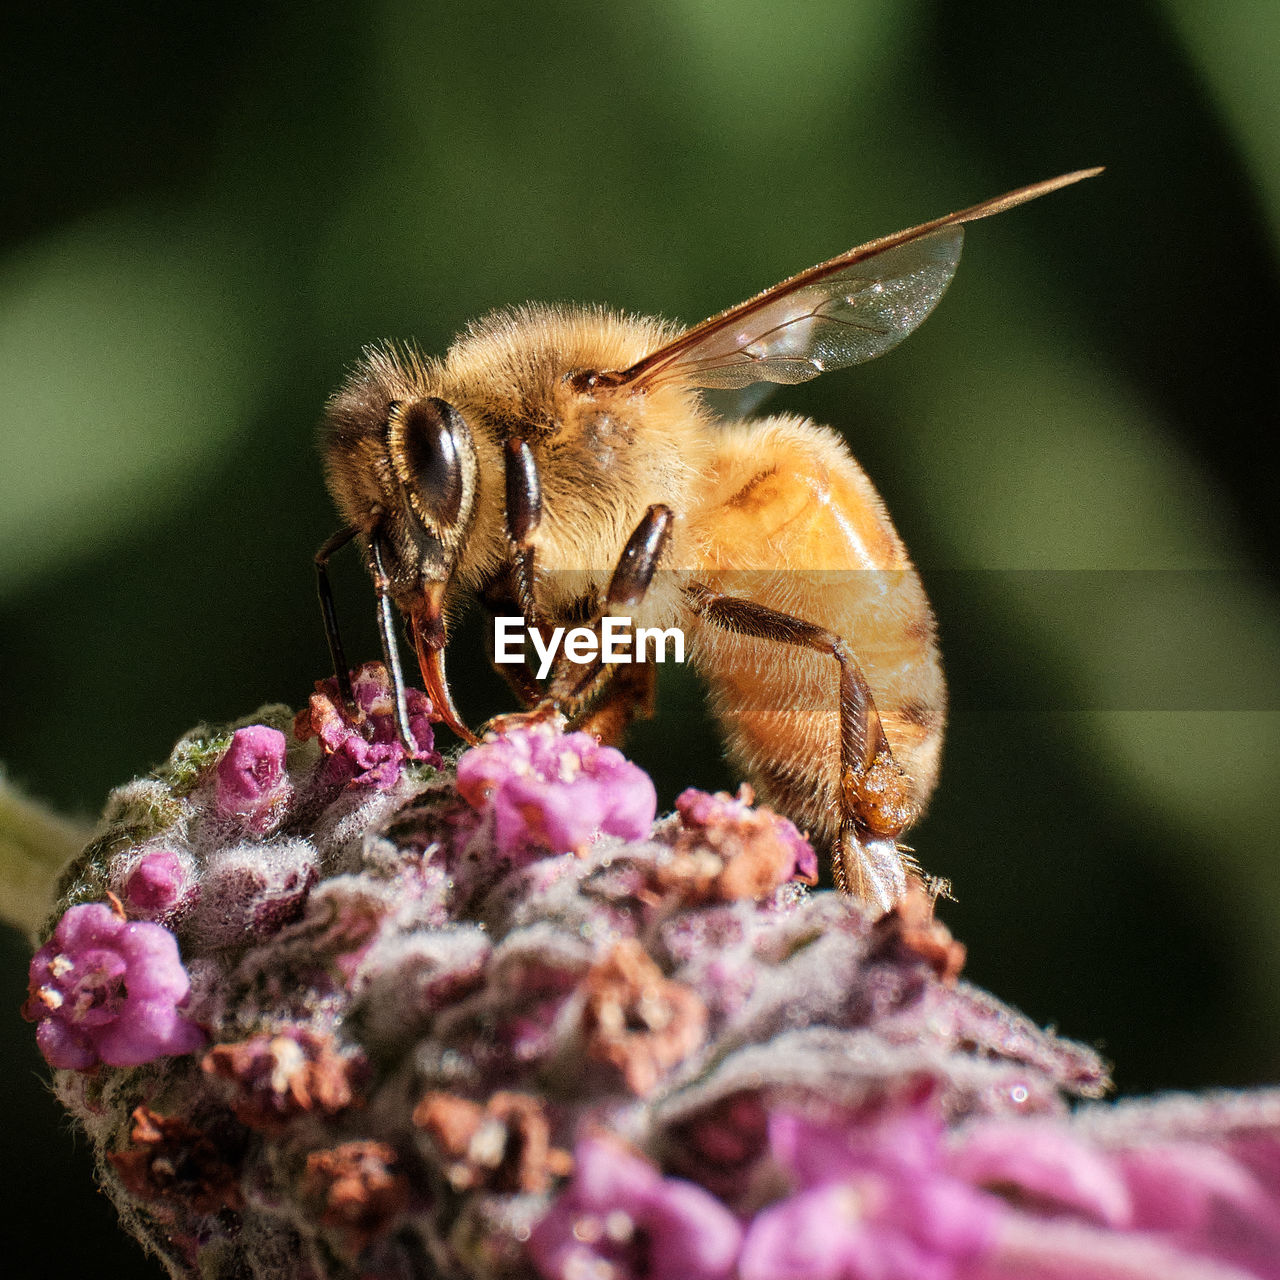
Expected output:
(208, 210)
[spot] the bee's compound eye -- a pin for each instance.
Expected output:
(426, 440)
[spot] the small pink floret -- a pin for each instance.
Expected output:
(873, 1198)
(555, 791)
(365, 748)
(702, 809)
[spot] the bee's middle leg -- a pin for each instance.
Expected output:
(874, 795)
(624, 694)
(603, 698)
(523, 493)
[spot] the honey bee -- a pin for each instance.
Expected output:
(556, 458)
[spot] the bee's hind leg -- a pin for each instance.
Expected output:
(874, 795)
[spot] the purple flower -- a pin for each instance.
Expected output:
(1047, 1165)
(104, 989)
(1157, 1202)
(416, 1008)
(875, 1202)
(251, 781)
(622, 1219)
(555, 791)
(366, 748)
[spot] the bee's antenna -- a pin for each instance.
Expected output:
(330, 613)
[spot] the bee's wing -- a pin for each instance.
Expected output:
(841, 312)
(845, 311)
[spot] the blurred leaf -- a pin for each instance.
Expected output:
(35, 844)
(1056, 464)
(1213, 773)
(132, 347)
(1051, 462)
(762, 74)
(1235, 45)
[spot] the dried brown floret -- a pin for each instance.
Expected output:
(279, 1077)
(726, 851)
(170, 1159)
(912, 930)
(357, 1189)
(504, 1145)
(639, 1021)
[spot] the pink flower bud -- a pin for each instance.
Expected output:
(158, 884)
(252, 784)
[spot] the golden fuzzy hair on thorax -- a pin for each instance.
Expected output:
(514, 360)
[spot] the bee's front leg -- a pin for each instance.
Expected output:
(498, 597)
(874, 794)
(621, 695)
(391, 650)
(329, 612)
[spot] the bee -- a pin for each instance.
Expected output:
(556, 458)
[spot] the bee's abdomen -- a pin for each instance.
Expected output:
(795, 525)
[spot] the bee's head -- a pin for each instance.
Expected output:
(402, 468)
(432, 460)
(432, 479)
